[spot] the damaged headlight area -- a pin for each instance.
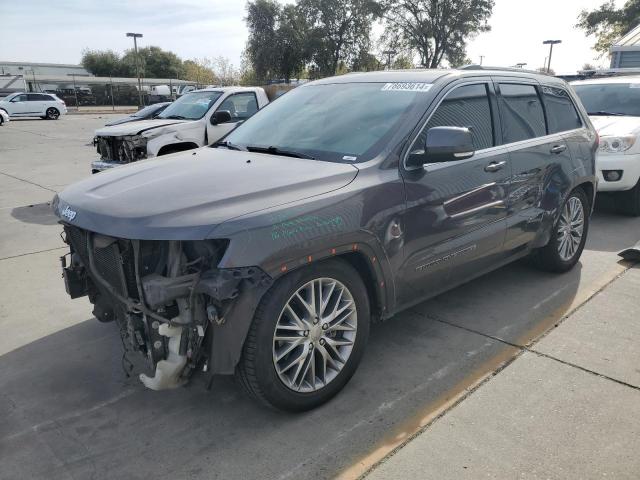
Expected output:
(125, 149)
(166, 297)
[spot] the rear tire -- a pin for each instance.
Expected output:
(568, 237)
(52, 113)
(264, 370)
(629, 202)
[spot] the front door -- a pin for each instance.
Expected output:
(241, 106)
(19, 105)
(454, 225)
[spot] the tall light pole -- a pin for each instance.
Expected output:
(135, 47)
(389, 53)
(551, 43)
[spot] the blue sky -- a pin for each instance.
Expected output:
(57, 31)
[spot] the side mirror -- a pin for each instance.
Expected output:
(443, 144)
(221, 116)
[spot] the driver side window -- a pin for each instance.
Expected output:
(465, 106)
(20, 98)
(240, 105)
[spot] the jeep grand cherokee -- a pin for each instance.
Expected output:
(343, 202)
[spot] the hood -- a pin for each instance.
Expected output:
(184, 196)
(616, 125)
(135, 128)
(122, 120)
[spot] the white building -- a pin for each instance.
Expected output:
(625, 52)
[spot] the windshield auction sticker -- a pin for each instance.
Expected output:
(406, 87)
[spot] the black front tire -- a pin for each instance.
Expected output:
(52, 113)
(629, 202)
(256, 371)
(548, 258)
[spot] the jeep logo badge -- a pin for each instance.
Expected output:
(68, 213)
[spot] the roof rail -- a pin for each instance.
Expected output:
(505, 69)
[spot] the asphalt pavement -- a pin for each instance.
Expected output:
(67, 409)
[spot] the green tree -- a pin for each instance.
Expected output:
(261, 51)
(366, 62)
(154, 63)
(608, 23)
(437, 29)
(101, 63)
(339, 30)
(199, 71)
(291, 42)
(402, 62)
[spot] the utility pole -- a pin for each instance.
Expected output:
(389, 53)
(135, 47)
(551, 43)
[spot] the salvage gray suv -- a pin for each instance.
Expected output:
(347, 200)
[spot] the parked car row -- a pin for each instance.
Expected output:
(345, 201)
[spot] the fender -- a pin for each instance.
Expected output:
(229, 336)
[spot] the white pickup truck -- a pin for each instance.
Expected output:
(196, 119)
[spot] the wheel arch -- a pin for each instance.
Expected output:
(176, 147)
(589, 190)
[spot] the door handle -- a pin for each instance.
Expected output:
(494, 166)
(558, 149)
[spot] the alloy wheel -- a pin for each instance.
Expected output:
(315, 335)
(570, 228)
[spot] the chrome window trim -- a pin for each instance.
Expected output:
(508, 146)
(486, 81)
(573, 104)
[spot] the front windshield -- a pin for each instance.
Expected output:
(345, 122)
(191, 106)
(146, 111)
(610, 98)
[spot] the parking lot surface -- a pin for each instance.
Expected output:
(67, 409)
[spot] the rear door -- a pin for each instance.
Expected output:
(454, 225)
(241, 106)
(538, 157)
(36, 103)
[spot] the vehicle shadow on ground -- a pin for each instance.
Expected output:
(39, 214)
(606, 219)
(68, 410)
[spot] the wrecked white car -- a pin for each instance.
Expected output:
(196, 119)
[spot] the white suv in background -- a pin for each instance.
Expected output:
(44, 105)
(613, 104)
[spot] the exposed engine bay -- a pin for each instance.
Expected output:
(126, 149)
(168, 299)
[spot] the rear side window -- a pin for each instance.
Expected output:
(522, 113)
(466, 106)
(561, 113)
(48, 98)
(34, 97)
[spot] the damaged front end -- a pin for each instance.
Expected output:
(116, 151)
(170, 301)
